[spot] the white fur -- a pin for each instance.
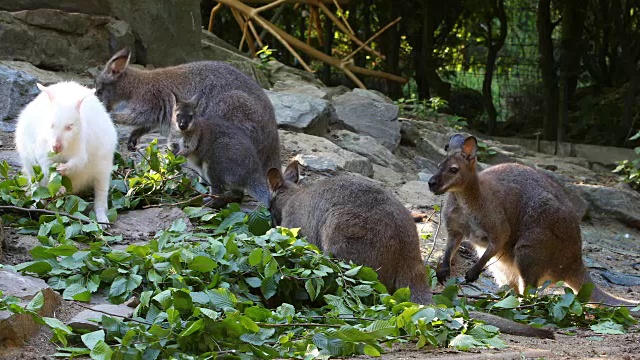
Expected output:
(70, 116)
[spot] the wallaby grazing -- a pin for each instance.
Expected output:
(516, 217)
(67, 124)
(354, 219)
(144, 99)
(221, 152)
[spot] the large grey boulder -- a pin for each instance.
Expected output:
(416, 194)
(166, 32)
(17, 88)
(320, 154)
(367, 147)
(618, 203)
(301, 113)
(369, 114)
(89, 320)
(15, 329)
(57, 40)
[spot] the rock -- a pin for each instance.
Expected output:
(57, 40)
(335, 91)
(46, 77)
(368, 114)
(300, 88)
(425, 165)
(417, 194)
(367, 147)
(10, 156)
(17, 88)
(388, 176)
(166, 32)
(278, 72)
(612, 202)
(321, 148)
(141, 224)
(22, 245)
(372, 94)
(409, 133)
(251, 69)
(88, 320)
(316, 163)
(302, 113)
(17, 328)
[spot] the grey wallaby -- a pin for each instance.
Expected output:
(522, 219)
(144, 99)
(221, 152)
(354, 219)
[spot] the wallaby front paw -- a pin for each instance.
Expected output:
(443, 274)
(61, 191)
(103, 221)
(132, 145)
(62, 168)
(471, 275)
(215, 202)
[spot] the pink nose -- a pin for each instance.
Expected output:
(57, 147)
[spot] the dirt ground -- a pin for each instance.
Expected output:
(611, 250)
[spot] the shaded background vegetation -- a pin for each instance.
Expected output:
(564, 69)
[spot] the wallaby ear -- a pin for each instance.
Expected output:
(455, 142)
(118, 62)
(470, 147)
(195, 100)
(292, 173)
(45, 90)
(79, 103)
(274, 176)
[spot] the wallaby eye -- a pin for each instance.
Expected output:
(68, 127)
(453, 170)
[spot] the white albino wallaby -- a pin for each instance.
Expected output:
(68, 125)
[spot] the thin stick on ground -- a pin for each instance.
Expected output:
(50, 212)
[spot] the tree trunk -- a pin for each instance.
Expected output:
(328, 45)
(548, 69)
(497, 10)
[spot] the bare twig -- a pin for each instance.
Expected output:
(372, 38)
(176, 203)
(44, 211)
(435, 236)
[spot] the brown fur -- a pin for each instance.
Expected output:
(144, 98)
(354, 219)
(222, 153)
(520, 221)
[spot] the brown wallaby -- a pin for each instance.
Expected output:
(516, 217)
(144, 98)
(221, 152)
(355, 219)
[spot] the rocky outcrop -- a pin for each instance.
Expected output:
(17, 328)
(166, 32)
(322, 155)
(618, 203)
(367, 147)
(54, 39)
(17, 88)
(301, 113)
(369, 114)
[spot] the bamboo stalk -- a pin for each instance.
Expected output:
(344, 19)
(288, 41)
(318, 25)
(372, 38)
(213, 15)
(268, 6)
(342, 28)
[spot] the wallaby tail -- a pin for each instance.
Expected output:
(606, 299)
(507, 326)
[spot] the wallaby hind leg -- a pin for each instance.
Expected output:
(135, 136)
(454, 240)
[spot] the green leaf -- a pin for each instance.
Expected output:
(223, 299)
(465, 342)
(311, 289)
(203, 264)
(36, 303)
(255, 257)
(249, 324)
(584, 295)
(91, 339)
(510, 302)
(76, 292)
(101, 351)
(608, 327)
(192, 328)
(371, 351)
(254, 282)
(229, 221)
(37, 267)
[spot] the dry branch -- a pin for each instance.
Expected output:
(372, 38)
